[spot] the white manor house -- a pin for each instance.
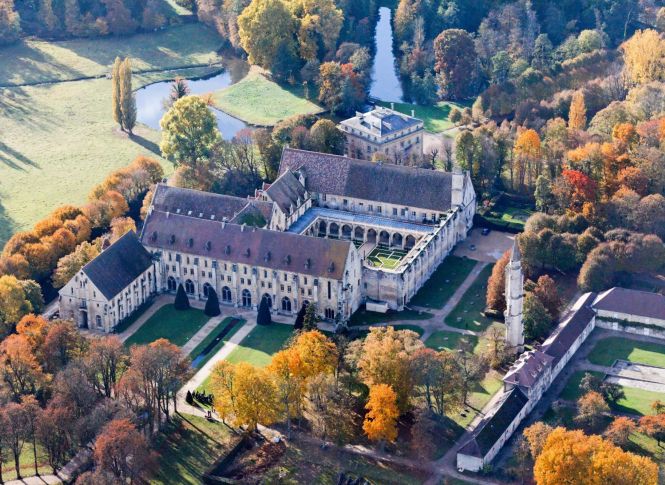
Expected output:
(330, 230)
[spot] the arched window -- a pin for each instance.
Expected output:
(246, 298)
(98, 320)
(286, 304)
(330, 314)
(409, 242)
(226, 294)
(268, 298)
(207, 288)
(171, 283)
(189, 287)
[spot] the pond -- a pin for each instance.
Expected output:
(386, 85)
(151, 99)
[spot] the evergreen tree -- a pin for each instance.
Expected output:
(212, 305)
(311, 318)
(300, 317)
(127, 101)
(263, 317)
(181, 299)
(115, 87)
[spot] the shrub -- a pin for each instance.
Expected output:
(212, 305)
(181, 299)
(263, 317)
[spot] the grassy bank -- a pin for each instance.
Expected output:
(59, 140)
(435, 118)
(260, 101)
(175, 326)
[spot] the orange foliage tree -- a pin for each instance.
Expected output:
(571, 457)
(496, 285)
(577, 113)
(122, 452)
(619, 431)
(381, 419)
(527, 151)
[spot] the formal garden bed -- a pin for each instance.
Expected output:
(176, 326)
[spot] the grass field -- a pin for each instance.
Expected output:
(467, 313)
(608, 350)
(260, 101)
(26, 462)
(443, 282)
(59, 140)
(262, 342)
(637, 401)
(363, 317)
(37, 61)
(445, 340)
(187, 447)
(386, 258)
(478, 398)
(211, 337)
(572, 391)
(175, 326)
(435, 118)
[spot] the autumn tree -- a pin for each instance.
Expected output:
(256, 400)
(644, 56)
(17, 432)
(311, 318)
(331, 86)
(573, 457)
(537, 320)
(472, 368)
(127, 100)
(121, 226)
(33, 328)
(70, 264)
(536, 436)
(122, 451)
(16, 300)
(104, 360)
(285, 367)
(330, 409)
(456, 64)
(496, 285)
(590, 409)
(619, 431)
(62, 343)
(548, 294)
(386, 359)
(55, 432)
(31, 412)
(382, 412)
(115, 92)
(653, 426)
(527, 164)
(19, 369)
(439, 376)
(222, 383)
(577, 112)
(320, 22)
(326, 138)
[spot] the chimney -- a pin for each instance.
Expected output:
(392, 106)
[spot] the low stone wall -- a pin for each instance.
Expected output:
(634, 328)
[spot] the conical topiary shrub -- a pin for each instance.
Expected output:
(212, 305)
(263, 317)
(181, 299)
(300, 317)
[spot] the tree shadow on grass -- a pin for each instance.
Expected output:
(10, 157)
(145, 143)
(7, 226)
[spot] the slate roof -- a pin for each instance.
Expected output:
(490, 430)
(246, 245)
(528, 368)
(380, 122)
(632, 302)
(118, 265)
(571, 327)
(254, 210)
(380, 182)
(196, 203)
(286, 192)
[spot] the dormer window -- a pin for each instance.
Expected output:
(308, 263)
(287, 259)
(227, 249)
(172, 239)
(247, 252)
(190, 242)
(331, 267)
(208, 246)
(267, 257)
(153, 236)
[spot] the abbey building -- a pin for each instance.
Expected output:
(330, 230)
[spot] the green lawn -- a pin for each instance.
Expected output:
(260, 101)
(637, 401)
(60, 139)
(364, 317)
(445, 340)
(31, 60)
(572, 391)
(262, 342)
(211, 336)
(413, 328)
(386, 258)
(26, 462)
(443, 282)
(467, 313)
(187, 447)
(608, 350)
(478, 398)
(175, 326)
(435, 118)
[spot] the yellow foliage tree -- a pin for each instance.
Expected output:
(573, 458)
(222, 384)
(286, 368)
(577, 112)
(644, 56)
(255, 396)
(381, 419)
(527, 151)
(536, 436)
(316, 352)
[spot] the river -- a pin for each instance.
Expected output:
(385, 85)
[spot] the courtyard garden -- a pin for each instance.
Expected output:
(176, 326)
(607, 350)
(468, 313)
(73, 142)
(386, 258)
(450, 274)
(259, 101)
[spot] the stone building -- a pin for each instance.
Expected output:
(111, 286)
(383, 133)
(330, 230)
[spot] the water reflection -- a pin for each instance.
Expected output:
(151, 100)
(385, 82)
